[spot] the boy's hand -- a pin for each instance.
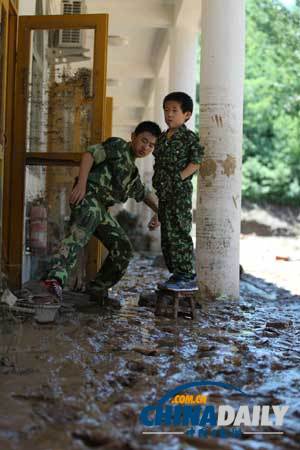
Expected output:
(78, 193)
(154, 223)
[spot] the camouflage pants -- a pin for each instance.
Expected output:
(89, 218)
(175, 216)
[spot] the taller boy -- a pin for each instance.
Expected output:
(178, 155)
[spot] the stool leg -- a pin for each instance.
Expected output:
(193, 309)
(158, 305)
(166, 306)
(176, 305)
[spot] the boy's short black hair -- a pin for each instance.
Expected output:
(184, 100)
(150, 127)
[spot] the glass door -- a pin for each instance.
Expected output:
(59, 111)
(7, 42)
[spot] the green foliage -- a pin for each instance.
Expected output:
(272, 103)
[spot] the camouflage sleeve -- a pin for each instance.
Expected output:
(138, 190)
(196, 150)
(98, 152)
(109, 149)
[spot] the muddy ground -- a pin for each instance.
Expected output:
(83, 381)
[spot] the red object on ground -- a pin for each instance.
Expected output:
(38, 229)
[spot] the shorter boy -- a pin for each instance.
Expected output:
(107, 175)
(178, 154)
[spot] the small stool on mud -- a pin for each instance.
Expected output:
(164, 294)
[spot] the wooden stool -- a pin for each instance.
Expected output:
(163, 292)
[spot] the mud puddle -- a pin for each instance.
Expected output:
(83, 381)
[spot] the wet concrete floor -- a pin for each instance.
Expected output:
(83, 381)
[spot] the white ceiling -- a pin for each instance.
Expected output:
(132, 68)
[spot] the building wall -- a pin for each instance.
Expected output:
(33, 7)
(27, 7)
(53, 7)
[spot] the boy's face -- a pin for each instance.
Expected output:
(143, 143)
(174, 116)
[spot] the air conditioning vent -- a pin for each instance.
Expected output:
(71, 38)
(72, 7)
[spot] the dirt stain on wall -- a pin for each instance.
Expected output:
(217, 118)
(229, 165)
(208, 168)
(235, 201)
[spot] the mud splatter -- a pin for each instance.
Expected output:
(229, 165)
(217, 118)
(235, 201)
(208, 168)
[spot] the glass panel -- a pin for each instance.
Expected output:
(60, 90)
(2, 74)
(2, 104)
(47, 214)
(194, 207)
(1, 229)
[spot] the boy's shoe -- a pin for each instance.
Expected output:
(54, 288)
(174, 278)
(180, 285)
(183, 277)
(97, 296)
(102, 298)
(117, 301)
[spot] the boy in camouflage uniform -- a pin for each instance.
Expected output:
(107, 175)
(178, 154)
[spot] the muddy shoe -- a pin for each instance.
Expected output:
(104, 299)
(180, 285)
(115, 301)
(241, 271)
(97, 296)
(54, 288)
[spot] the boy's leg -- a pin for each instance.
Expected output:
(180, 250)
(85, 218)
(112, 235)
(165, 233)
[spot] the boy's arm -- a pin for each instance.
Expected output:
(196, 151)
(150, 201)
(189, 170)
(94, 154)
(79, 190)
(140, 193)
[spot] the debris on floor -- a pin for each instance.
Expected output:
(83, 381)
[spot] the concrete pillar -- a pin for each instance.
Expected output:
(145, 167)
(221, 119)
(144, 212)
(183, 59)
(160, 91)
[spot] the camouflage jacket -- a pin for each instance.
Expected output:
(114, 175)
(171, 157)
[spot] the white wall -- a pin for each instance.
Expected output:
(27, 7)
(53, 7)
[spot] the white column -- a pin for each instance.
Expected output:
(143, 211)
(221, 119)
(160, 91)
(145, 166)
(183, 48)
